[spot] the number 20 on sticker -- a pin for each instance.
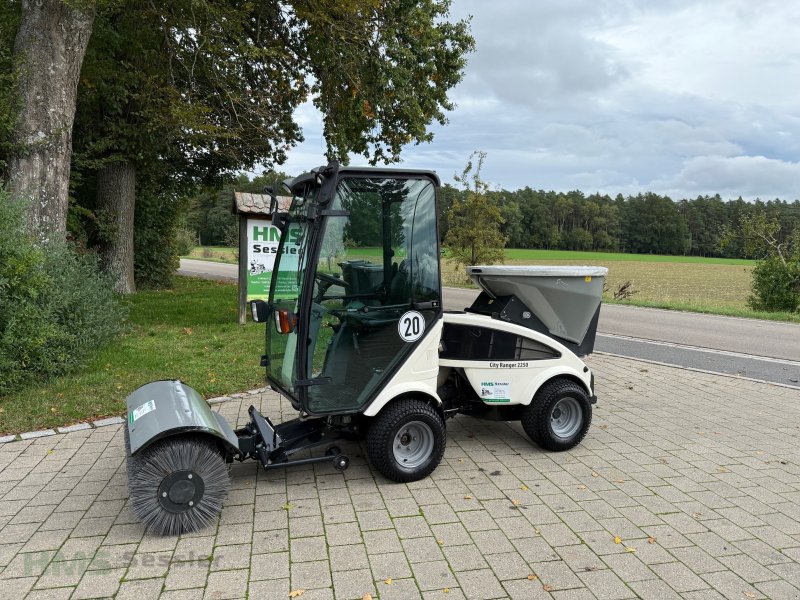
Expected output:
(411, 326)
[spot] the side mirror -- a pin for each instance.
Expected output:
(259, 310)
(285, 320)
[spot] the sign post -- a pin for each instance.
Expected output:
(258, 247)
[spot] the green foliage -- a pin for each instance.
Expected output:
(776, 286)
(9, 18)
(185, 241)
(381, 70)
(54, 305)
(776, 277)
(154, 237)
(473, 236)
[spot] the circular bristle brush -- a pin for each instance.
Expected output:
(177, 485)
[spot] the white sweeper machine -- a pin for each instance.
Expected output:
(358, 341)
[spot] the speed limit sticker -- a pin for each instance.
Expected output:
(411, 326)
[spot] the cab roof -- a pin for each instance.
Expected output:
(298, 182)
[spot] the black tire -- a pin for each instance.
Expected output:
(543, 419)
(421, 437)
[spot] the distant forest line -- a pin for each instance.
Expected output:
(646, 223)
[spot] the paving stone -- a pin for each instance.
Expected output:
(434, 575)
(400, 589)
(31, 435)
(144, 589)
(717, 532)
(108, 421)
(186, 575)
(310, 575)
(679, 577)
(73, 428)
(480, 584)
(99, 584)
(465, 558)
(224, 585)
(353, 584)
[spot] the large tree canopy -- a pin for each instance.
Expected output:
(177, 93)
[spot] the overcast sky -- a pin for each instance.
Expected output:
(675, 97)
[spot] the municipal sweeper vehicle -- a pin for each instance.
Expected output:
(358, 341)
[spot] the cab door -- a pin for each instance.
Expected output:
(377, 288)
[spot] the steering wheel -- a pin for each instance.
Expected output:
(330, 279)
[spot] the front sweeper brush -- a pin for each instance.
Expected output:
(362, 349)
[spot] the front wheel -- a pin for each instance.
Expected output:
(559, 416)
(406, 441)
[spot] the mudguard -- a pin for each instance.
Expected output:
(161, 409)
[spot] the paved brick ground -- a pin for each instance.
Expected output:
(697, 475)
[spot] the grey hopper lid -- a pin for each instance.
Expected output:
(564, 298)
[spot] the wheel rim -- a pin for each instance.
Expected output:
(413, 444)
(566, 417)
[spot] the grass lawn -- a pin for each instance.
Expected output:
(189, 333)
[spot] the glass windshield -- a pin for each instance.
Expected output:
(375, 266)
(285, 292)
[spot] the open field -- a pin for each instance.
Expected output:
(717, 286)
(513, 254)
(691, 283)
(222, 254)
(190, 332)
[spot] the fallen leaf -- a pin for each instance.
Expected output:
(619, 481)
(524, 488)
(701, 433)
(446, 590)
(723, 470)
(515, 502)
(187, 330)
(603, 426)
(537, 530)
(296, 593)
(651, 540)
(630, 549)
(547, 587)
(582, 487)
(617, 539)
(367, 596)
(388, 581)
(467, 497)
(532, 577)
(697, 515)
(750, 594)
(287, 506)
(594, 474)
(440, 542)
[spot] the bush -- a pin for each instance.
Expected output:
(155, 258)
(776, 286)
(185, 241)
(55, 306)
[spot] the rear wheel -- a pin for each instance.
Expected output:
(406, 441)
(559, 416)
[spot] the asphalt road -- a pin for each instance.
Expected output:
(766, 350)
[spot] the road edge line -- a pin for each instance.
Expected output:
(696, 370)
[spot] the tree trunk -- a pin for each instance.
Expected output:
(116, 202)
(49, 46)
